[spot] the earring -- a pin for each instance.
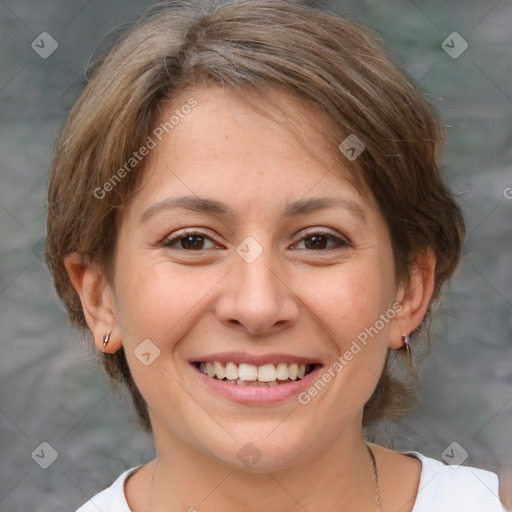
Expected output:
(407, 346)
(106, 339)
(407, 340)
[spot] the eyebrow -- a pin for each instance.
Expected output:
(218, 209)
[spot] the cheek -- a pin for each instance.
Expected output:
(349, 302)
(350, 298)
(147, 302)
(159, 300)
(154, 302)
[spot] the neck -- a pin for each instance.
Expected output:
(340, 478)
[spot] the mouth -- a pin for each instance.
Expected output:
(251, 375)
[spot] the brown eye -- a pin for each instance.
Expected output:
(188, 241)
(319, 241)
(316, 242)
(192, 242)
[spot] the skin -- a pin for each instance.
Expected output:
(294, 298)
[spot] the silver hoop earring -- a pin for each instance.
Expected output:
(106, 339)
(407, 345)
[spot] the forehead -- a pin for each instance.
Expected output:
(265, 122)
(246, 144)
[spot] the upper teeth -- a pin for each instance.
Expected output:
(251, 372)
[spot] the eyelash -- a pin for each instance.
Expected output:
(170, 242)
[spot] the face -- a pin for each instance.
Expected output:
(244, 256)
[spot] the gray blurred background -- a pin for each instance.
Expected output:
(52, 389)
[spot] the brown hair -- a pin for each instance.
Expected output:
(331, 63)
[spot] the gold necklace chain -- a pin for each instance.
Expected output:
(376, 477)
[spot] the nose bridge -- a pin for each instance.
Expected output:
(255, 280)
(256, 296)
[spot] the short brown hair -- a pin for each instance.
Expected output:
(332, 63)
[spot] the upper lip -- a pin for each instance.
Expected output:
(255, 359)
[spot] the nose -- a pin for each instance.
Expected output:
(257, 297)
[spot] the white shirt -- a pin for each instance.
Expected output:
(442, 488)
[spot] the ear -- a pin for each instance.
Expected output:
(414, 297)
(96, 295)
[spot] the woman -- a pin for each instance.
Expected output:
(245, 210)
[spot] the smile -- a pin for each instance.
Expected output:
(255, 380)
(245, 374)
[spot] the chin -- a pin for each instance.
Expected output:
(262, 454)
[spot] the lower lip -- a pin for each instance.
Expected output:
(257, 395)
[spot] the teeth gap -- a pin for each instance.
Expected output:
(310, 368)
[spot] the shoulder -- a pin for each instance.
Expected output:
(445, 488)
(112, 498)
